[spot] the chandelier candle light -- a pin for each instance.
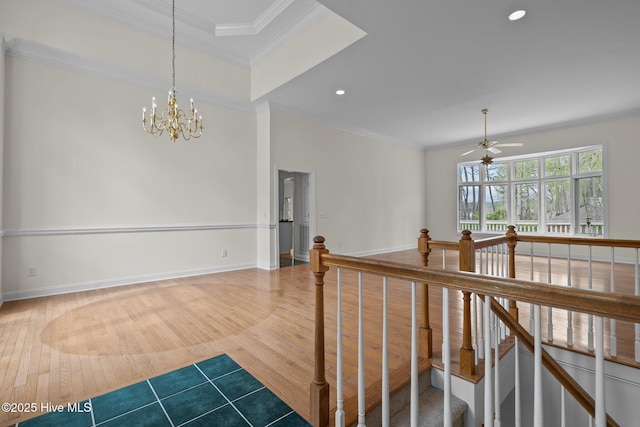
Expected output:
(174, 120)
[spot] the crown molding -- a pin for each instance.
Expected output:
(58, 58)
(255, 27)
(313, 15)
(198, 39)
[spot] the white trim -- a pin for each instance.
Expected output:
(584, 363)
(68, 231)
(89, 286)
(74, 62)
(255, 27)
(313, 15)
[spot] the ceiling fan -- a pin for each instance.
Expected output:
(489, 146)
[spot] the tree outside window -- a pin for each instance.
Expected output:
(558, 192)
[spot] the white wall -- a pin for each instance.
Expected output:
(369, 193)
(622, 138)
(122, 204)
(622, 390)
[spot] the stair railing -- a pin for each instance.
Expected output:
(609, 305)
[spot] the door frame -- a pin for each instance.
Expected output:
(311, 203)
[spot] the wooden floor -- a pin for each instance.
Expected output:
(67, 348)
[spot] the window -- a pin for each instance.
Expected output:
(560, 192)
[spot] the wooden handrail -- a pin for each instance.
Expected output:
(582, 397)
(491, 241)
(441, 244)
(618, 243)
(608, 305)
(611, 305)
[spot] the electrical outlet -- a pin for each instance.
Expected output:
(31, 272)
(223, 253)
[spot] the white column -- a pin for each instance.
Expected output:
(339, 393)
(590, 317)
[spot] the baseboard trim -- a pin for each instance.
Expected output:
(102, 284)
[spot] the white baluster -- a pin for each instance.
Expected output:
(444, 259)
(613, 340)
(486, 262)
(563, 408)
(361, 395)
(538, 419)
(518, 407)
(481, 342)
(549, 310)
(414, 358)
(531, 310)
(503, 301)
(385, 357)
(446, 358)
(590, 317)
(569, 312)
(496, 399)
(339, 392)
(488, 403)
(474, 305)
(601, 410)
(493, 262)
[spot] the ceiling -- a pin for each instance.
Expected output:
(426, 68)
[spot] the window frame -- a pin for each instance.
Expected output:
(482, 225)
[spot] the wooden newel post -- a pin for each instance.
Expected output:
(511, 234)
(467, 263)
(319, 388)
(425, 337)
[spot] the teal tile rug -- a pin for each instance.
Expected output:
(212, 393)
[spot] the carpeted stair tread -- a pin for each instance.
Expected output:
(431, 410)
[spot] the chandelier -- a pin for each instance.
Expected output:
(174, 120)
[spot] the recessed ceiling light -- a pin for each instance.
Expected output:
(340, 92)
(518, 14)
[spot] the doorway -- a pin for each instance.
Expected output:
(295, 225)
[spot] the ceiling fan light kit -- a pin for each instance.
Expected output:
(489, 146)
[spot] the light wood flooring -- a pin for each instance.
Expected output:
(70, 347)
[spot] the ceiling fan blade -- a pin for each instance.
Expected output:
(469, 152)
(510, 144)
(494, 150)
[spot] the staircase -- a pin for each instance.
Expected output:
(430, 412)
